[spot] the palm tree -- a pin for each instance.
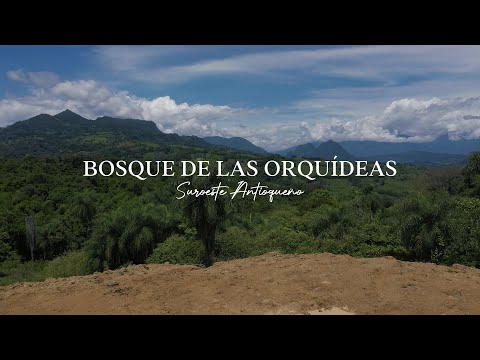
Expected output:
(129, 235)
(206, 214)
(423, 228)
(83, 207)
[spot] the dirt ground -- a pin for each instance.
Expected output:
(314, 284)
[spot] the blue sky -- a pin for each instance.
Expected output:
(275, 96)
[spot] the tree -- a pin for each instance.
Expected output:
(443, 179)
(472, 173)
(5, 249)
(30, 233)
(129, 235)
(473, 164)
(206, 214)
(463, 247)
(60, 234)
(83, 207)
(423, 224)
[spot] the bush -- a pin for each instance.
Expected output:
(318, 198)
(288, 241)
(177, 250)
(236, 243)
(73, 263)
(13, 271)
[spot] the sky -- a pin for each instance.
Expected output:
(274, 96)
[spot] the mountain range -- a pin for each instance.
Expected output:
(424, 158)
(440, 145)
(441, 151)
(70, 133)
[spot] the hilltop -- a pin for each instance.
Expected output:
(68, 133)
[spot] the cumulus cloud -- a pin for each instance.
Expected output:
(403, 120)
(91, 99)
(184, 118)
(39, 78)
(406, 119)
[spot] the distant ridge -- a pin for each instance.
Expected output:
(421, 158)
(440, 145)
(237, 143)
(439, 152)
(69, 133)
(327, 150)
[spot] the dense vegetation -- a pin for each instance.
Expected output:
(92, 224)
(87, 224)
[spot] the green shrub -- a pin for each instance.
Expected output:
(177, 250)
(73, 263)
(236, 243)
(13, 271)
(287, 241)
(319, 197)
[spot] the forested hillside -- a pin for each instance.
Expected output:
(87, 224)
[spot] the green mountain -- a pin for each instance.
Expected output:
(70, 133)
(236, 143)
(327, 150)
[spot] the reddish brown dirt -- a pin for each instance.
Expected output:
(269, 284)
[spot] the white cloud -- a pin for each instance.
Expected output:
(39, 78)
(390, 92)
(16, 75)
(355, 102)
(408, 120)
(128, 58)
(92, 99)
(414, 119)
(383, 63)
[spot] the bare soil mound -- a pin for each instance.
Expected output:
(314, 284)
